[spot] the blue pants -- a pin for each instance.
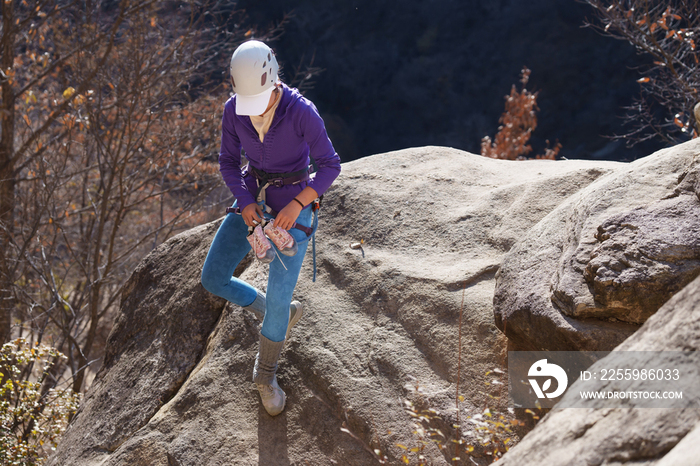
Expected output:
(230, 247)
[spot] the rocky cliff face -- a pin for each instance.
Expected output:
(559, 245)
(175, 385)
(612, 436)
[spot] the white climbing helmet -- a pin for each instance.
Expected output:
(253, 74)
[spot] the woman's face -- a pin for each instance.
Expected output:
(273, 99)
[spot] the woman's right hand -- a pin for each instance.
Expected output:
(252, 214)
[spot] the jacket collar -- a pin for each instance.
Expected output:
(288, 96)
(284, 104)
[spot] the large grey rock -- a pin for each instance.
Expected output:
(642, 258)
(600, 264)
(175, 387)
(162, 328)
(616, 436)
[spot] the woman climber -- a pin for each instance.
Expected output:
(280, 131)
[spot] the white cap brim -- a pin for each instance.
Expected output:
(253, 104)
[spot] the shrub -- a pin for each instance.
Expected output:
(33, 412)
(518, 121)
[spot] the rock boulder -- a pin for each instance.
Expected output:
(601, 263)
(380, 326)
(616, 436)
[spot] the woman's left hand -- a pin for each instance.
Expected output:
(287, 216)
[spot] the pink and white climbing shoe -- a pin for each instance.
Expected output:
(282, 239)
(261, 245)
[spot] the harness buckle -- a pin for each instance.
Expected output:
(277, 182)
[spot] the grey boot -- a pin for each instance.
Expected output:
(273, 398)
(295, 313)
(257, 307)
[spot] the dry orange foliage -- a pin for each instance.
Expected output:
(518, 121)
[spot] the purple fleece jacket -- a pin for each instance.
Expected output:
(297, 132)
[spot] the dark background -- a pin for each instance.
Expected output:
(417, 73)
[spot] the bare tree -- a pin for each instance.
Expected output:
(31, 63)
(113, 147)
(109, 146)
(667, 32)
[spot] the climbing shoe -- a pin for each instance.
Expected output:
(260, 244)
(282, 239)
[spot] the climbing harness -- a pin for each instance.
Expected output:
(265, 180)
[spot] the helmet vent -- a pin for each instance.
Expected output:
(269, 58)
(233, 81)
(264, 65)
(263, 78)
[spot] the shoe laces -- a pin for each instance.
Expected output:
(266, 391)
(260, 242)
(279, 236)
